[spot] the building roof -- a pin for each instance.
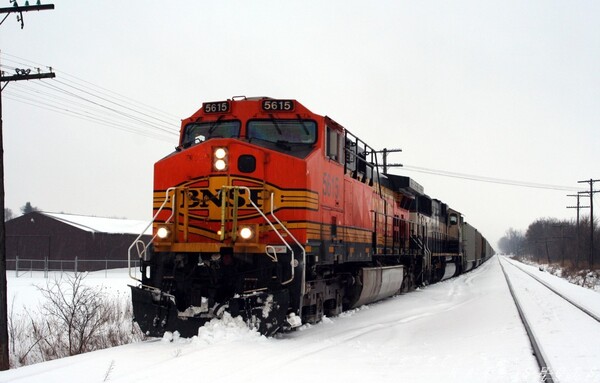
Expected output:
(101, 224)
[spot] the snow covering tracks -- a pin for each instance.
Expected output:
(593, 315)
(545, 369)
(568, 339)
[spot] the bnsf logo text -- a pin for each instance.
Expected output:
(205, 198)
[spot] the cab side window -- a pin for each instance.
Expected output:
(334, 140)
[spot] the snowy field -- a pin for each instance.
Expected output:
(462, 330)
(23, 291)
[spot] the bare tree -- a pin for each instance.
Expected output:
(76, 308)
(36, 336)
(513, 242)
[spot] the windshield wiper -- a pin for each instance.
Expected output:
(279, 143)
(303, 125)
(276, 124)
(213, 126)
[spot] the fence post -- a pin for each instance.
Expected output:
(46, 267)
(17, 266)
(75, 264)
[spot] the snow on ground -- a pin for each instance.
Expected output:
(462, 330)
(570, 339)
(586, 277)
(23, 290)
(590, 298)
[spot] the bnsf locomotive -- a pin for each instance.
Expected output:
(272, 212)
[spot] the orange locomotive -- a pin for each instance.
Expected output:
(270, 211)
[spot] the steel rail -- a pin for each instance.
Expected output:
(545, 370)
(547, 285)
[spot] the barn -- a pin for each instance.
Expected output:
(56, 241)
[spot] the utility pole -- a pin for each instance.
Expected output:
(385, 153)
(26, 8)
(578, 207)
(591, 193)
(19, 76)
(545, 242)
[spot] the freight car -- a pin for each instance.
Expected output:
(272, 212)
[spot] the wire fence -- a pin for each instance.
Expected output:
(23, 266)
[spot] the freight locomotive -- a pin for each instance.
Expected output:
(272, 212)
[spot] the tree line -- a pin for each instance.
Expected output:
(25, 209)
(550, 240)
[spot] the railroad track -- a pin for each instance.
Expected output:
(545, 311)
(592, 315)
(542, 360)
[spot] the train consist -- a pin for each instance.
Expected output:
(272, 212)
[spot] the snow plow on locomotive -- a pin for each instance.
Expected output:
(272, 212)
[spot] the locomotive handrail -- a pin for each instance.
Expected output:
(274, 256)
(297, 243)
(361, 164)
(138, 240)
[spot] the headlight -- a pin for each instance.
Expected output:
(246, 233)
(220, 165)
(163, 232)
(220, 160)
(220, 153)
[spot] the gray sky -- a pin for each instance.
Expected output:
(499, 89)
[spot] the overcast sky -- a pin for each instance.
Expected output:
(507, 90)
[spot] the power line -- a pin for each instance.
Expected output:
(109, 108)
(87, 101)
(94, 87)
(68, 106)
(83, 111)
(72, 92)
(489, 179)
(91, 117)
(113, 103)
(75, 101)
(122, 98)
(55, 97)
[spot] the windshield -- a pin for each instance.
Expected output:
(197, 132)
(283, 131)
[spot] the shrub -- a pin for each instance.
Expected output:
(74, 318)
